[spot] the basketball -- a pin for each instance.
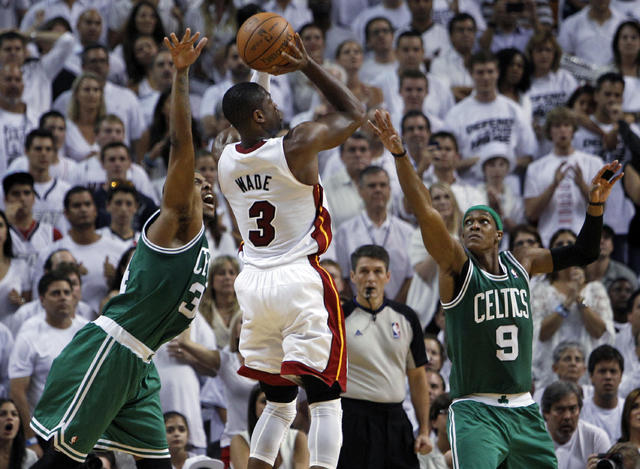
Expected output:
(261, 40)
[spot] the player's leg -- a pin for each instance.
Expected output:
(153, 463)
(53, 459)
(477, 437)
(325, 433)
(531, 445)
(273, 424)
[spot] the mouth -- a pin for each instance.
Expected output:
(8, 427)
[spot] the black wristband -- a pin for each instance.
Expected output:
(399, 155)
(598, 204)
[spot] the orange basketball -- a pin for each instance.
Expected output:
(261, 40)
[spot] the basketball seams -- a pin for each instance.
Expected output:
(255, 29)
(273, 43)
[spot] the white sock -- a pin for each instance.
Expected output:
(325, 434)
(271, 429)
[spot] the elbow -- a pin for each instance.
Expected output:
(359, 114)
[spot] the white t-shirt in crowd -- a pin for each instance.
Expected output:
(32, 357)
(442, 12)
(27, 248)
(606, 419)
(550, 91)
(75, 145)
(17, 278)
(631, 95)
(49, 205)
(435, 39)
(585, 441)
(397, 16)
(489, 129)
(65, 168)
(35, 308)
(14, 128)
(449, 67)
(6, 345)
(372, 70)
(567, 206)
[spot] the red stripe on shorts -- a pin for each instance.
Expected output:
(336, 370)
(269, 378)
(322, 232)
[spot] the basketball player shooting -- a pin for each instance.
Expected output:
(485, 296)
(102, 390)
(293, 326)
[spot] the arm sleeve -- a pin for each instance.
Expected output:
(585, 250)
(631, 141)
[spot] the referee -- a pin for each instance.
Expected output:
(384, 344)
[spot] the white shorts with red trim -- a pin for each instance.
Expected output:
(292, 324)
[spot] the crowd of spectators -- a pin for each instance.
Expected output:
(511, 103)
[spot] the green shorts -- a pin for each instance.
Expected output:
(485, 436)
(100, 394)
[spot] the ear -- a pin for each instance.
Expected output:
(499, 235)
(352, 275)
(258, 116)
(387, 276)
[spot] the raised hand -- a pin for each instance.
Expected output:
(385, 131)
(296, 55)
(600, 187)
(183, 52)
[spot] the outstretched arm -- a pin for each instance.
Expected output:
(446, 251)
(587, 245)
(180, 217)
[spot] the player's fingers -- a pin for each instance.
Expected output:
(174, 39)
(167, 43)
(201, 44)
(186, 36)
(374, 127)
(615, 179)
(194, 38)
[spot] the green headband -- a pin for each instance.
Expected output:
(489, 210)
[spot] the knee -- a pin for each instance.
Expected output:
(319, 391)
(281, 394)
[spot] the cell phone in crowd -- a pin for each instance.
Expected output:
(607, 175)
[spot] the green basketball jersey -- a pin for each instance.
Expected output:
(161, 289)
(489, 331)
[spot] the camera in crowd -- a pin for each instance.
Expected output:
(610, 461)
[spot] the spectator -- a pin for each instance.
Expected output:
(606, 269)
(574, 439)
(378, 364)
(435, 353)
(488, 123)
(32, 357)
(624, 454)
(86, 107)
(296, 13)
(395, 10)
(178, 438)
(604, 409)
(582, 100)
(338, 278)
(28, 236)
(631, 184)
(121, 206)
(567, 307)
(585, 33)
(414, 94)
(16, 118)
(49, 191)
(416, 134)
(62, 167)
(14, 282)
(157, 82)
(343, 197)
(556, 188)
(349, 56)
(12, 443)
(440, 456)
(434, 34)
(507, 26)
(293, 453)
(6, 345)
(145, 48)
(568, 365)
(625, 340)
(514, 77)
(334, 34)
(452, 65)
(436, 384)
(630, 423)
(379, 40)
(38, 75)
(96, 253)
(626, 57)
(219, 305)
(377, 227)
(619, 291)
(423, 294)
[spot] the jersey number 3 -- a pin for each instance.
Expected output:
(507, 340)
(264, 213)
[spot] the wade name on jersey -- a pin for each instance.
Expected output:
(486, 305)
(251, 182)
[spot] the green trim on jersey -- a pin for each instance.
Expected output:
(489, 331)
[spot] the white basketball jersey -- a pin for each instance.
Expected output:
(280, 218)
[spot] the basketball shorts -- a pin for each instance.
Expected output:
(100, 394)
(485, 436)
(292, 324)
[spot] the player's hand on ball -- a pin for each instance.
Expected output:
(296, 55)
(183, 51)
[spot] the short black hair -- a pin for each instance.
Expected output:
(409, 33)
(10, 35)
(610, 77)
(93, 46)
(372, 251)
(607, 232)
(604, 353)
(47, 115)
(68, 268)
(13, 179)
(371, 169)
(76, 190)
(240, 101)
(445, 134)
(414, 113)
(482, 57)
(459, 18)
(370, 22)
(117, 185)
(579, 91)
(306, 26)
(557, 391)
(37, 133)
(47, 279)
(357, 135)
(440, 403)
(410, 73)
(111, 145)
(7, 247)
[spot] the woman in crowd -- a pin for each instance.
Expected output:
(565, 307)
(220, 306)
(626, 54)
(15, 285)
(349, 56)
(13, 453)
(630, 425)
(423, 295)
(293, 454)
(569, 364)
(581, 100)
(177, 437)
(515, 77)
(86, 108)
(145, 49)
